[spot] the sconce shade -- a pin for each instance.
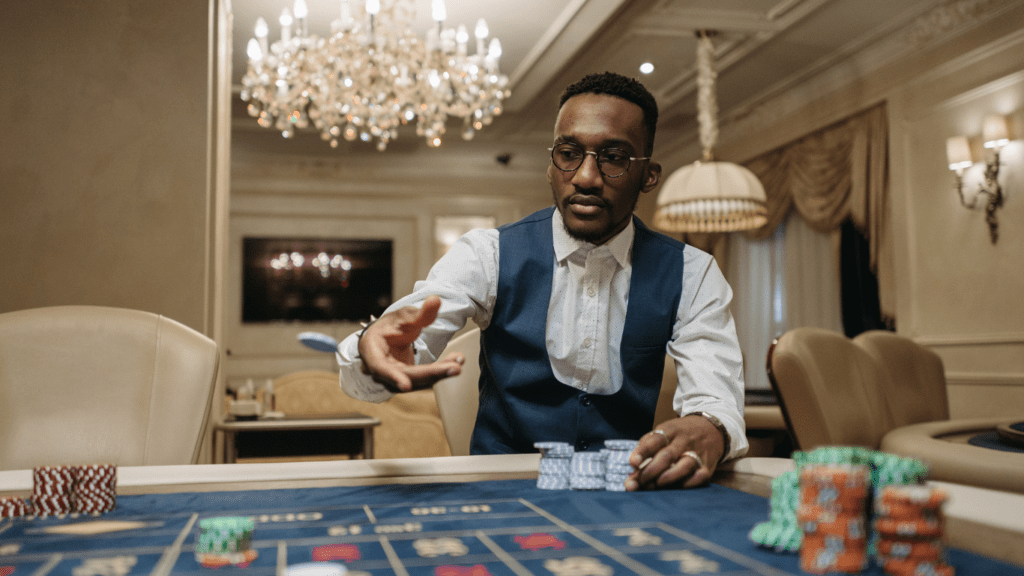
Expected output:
(994, 131)
(711, 197)
(958, 153)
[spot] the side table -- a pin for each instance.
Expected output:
(294, 429)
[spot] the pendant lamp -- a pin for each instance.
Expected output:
(708, 195)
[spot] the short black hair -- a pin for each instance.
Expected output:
(626, 88)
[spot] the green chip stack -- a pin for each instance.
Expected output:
(226, 535)
(782, 533)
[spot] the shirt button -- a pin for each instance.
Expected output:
(591, 291)
(586, 343)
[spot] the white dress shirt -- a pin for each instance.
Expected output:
(586, 314)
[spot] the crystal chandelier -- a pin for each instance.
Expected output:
(710, 196)
(372, 75)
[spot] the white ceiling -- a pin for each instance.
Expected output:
(763, 47)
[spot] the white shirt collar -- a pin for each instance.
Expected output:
(619, 246)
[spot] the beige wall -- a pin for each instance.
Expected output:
(106, 179)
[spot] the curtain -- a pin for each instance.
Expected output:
(786, 280)
(829, 176)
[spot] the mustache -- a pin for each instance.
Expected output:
(587, 199)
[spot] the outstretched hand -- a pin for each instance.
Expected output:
(387, 353)
(682, 452)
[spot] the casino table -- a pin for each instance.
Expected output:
(455, 516)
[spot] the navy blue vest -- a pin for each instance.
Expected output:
(521, 401)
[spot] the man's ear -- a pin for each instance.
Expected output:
(652, 175)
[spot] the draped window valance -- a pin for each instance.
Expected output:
(835, 174)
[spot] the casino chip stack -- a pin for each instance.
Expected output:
(587, 471)
(555, 460)
(52, 488)
(781, 531)
(95, 489)
(909, 523)
(225, 540)
(833, 517)
(11, 507)
(616, 463)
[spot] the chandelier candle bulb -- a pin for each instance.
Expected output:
(286, 25)
(301, 11)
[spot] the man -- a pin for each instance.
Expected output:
(577, 306)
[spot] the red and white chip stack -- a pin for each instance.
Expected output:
(11, 506)
(95, 488)
(52, 488)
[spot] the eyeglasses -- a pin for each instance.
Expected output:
(612, 162)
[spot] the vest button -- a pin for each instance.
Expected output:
(583, 445)
(587, 401)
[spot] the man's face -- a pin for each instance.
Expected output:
(595, 207)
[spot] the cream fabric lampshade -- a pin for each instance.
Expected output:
(711, 197)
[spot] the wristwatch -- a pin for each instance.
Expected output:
(721, 428)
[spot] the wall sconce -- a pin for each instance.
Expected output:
(958, 152)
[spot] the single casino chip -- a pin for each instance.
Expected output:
(621, 445)
(316, 569)
(917, 497)
(921, 528)
(814, 520)
(554, 448)
(911, 549)
(916, 568)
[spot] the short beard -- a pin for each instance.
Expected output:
(594, 236)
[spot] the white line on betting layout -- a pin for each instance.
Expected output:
(369, 514)
(170, 555)
(282, 558)
(504, 556)
(50, 564)
(607, 550)
(736, 557)
(396, 562)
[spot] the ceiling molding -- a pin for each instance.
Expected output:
(586, 21)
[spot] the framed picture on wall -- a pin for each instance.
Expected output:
(315, 279)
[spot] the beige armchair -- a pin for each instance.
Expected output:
(91, 384)
(410, 426)
(829, 389)
(917, 380)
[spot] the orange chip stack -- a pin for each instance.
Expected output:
(910, 524)
(833, 516)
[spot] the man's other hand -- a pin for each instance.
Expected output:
(682, 452)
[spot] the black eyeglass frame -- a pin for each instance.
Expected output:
(597, 158)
